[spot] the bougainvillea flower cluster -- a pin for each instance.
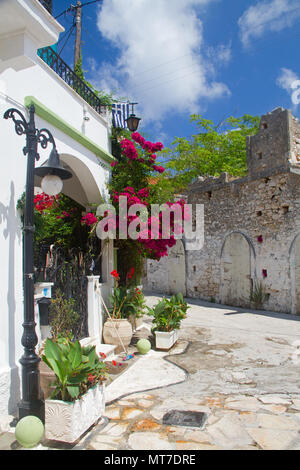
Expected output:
(89, 219)
(131, 153)
(42, 201)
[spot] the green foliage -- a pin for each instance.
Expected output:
(258, 294)
(137, 303)
(59, 224)
(168, 313)
(119, 300)
(76, 368)
(212, 150)
(62, 316)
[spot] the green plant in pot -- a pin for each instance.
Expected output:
(136, 306)
(63, 320)
(167, 317)
(77, 400)
(117, 330)
(76, 368)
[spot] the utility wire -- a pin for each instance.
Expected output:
(74, 7)
(69, 35)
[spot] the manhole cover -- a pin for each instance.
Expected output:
(194, 419)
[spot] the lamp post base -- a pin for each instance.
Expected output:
(32, 408)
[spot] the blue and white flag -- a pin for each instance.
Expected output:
(120, 112)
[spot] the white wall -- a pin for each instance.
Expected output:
(39, 81)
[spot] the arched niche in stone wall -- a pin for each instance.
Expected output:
(295, 274)
(237, 270)
(176, 269)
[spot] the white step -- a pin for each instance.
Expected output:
(107, 349)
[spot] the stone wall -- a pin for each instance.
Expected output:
(251, 226)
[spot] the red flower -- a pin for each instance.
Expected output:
(91, 378)
(131, 273)
(115, 274)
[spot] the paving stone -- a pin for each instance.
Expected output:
(105, 442)
(244, 404)
(296, 404)
(276, 409)
(5, 421)
(6, 441)
(149, 441)
(185, 445)
(115, 429)
(272, 439)
(277, 422)
(145, 425)
(274, 400)
(145, 403)
(130, 413)
(201, 437)
(112, 412)
(248, 418)
(229, 433)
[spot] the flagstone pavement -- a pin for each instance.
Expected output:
(238, 367)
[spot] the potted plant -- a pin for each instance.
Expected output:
(136, 306)
(62, 319)
(77, 400)
(117, 330)
(168, 314)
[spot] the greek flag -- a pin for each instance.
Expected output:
(120, 112)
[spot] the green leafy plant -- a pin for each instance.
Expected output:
(258, 294)
(137, 304)
(76, 368)
(63, 318)
(212, 150)
(168, 313)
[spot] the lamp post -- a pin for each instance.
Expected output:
(132, 121)
(32, 402)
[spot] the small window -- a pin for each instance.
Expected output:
(285, 209)
(209, 194)
(194, 268)
(264, 125)
(259, 213)
(260, 155)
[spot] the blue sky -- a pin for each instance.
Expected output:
(211, 57)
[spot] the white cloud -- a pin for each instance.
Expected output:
(162, 62)
(290, 82)
(267, 15)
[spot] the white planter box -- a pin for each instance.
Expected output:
(67, 421)
(165, 339)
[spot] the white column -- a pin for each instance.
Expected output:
(95, 317)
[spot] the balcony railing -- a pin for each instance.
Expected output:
(69, 76)
(47, 4)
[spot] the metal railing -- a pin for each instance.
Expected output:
(56, 63)
(47, 4)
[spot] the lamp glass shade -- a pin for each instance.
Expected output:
(132, 122)
(51, 185)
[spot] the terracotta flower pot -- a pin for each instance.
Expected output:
(47, 377)
(113, 330)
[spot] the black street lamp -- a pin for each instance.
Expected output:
(132, 121)
(32, 402)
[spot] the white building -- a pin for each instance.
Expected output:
(82, 135)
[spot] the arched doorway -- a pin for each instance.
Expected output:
(176, 269)
(295, 274)
(236, 282)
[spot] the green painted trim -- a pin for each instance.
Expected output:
(49, 116)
